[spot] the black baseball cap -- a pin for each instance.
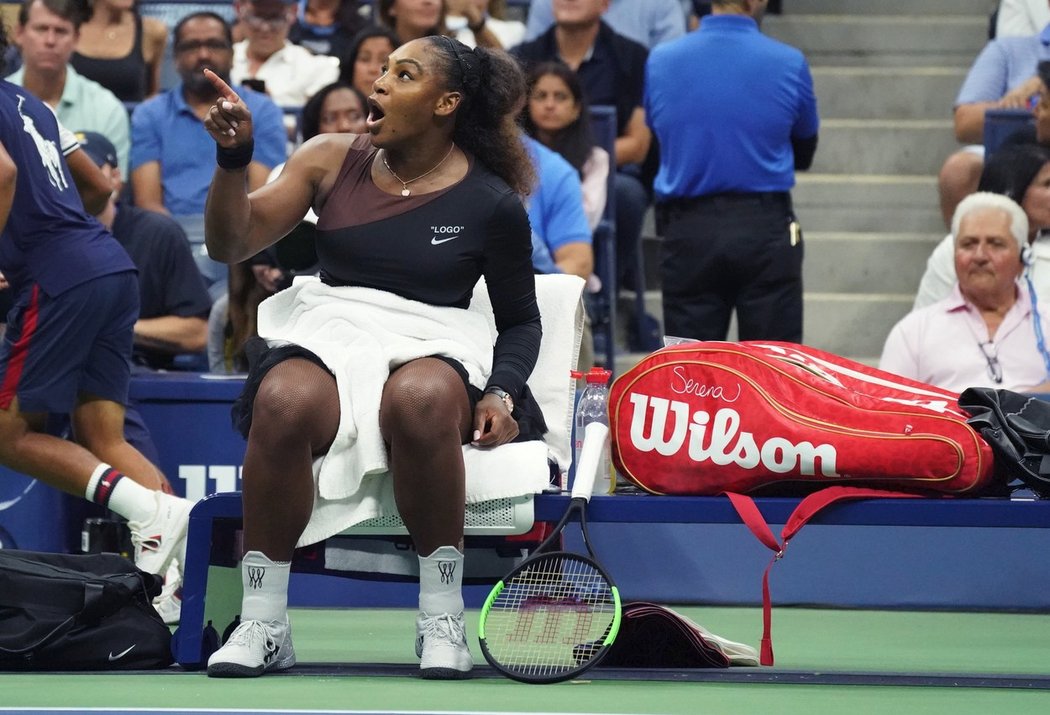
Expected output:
(100, 149)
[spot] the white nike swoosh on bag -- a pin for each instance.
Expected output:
(435, 241)
(121, 654)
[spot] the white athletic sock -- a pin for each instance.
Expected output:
(441, 582)
(265, 585)
(120, 494)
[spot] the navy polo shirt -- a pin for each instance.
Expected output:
(49, 238)
(612, 74)
(724, 103)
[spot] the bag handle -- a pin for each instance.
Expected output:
(808, 508)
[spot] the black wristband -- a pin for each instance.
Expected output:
(236, 158)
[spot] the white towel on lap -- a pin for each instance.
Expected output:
(362, 334)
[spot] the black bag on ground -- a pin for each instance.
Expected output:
(79, 612)
(1017, 427)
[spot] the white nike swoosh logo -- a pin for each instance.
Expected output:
(121, 654)
(435, 241)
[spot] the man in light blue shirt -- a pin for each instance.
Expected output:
(173, 156)
(647, 22)
(47, 34)
(561, 236)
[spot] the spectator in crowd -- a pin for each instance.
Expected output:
(171, 161)
(731, 240)
(173, 300)
(480, 23)
(1002, 77)
(363, 63)
(557, 115)
(47, 33)
(648, 23)
(561, 238)
(1020, 18)
(121, 50)
(985, 333)
(443, 149)
(611, 69)
(326, 27)
(412, 19)
(67, 347)
(1022, 173)
(268, 62)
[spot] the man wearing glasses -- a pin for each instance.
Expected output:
(172, 155)
(989, 332)
(268, 62)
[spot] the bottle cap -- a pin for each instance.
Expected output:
(575, 374)
(598, 375)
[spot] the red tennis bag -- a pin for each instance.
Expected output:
(709, 418)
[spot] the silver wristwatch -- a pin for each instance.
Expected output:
(503, 395)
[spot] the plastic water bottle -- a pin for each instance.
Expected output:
(594, 407)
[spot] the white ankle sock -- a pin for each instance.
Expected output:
(441, 582)
(265, 585)
(119, 493)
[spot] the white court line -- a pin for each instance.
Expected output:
(146, 711)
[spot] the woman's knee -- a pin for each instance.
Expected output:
(421, 402)
(295, 402)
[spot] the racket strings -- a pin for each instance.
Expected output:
(551, 616)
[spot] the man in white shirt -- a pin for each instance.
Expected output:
(289, 73)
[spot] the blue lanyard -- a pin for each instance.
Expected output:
(1040, 340)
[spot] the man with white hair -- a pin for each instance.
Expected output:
(988, 332)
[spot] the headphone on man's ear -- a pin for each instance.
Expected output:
(1026, 255)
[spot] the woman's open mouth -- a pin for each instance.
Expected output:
(375, 115)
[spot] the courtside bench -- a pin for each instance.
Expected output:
(972, 554)
(210, 550)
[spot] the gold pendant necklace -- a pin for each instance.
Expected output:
(404, 184)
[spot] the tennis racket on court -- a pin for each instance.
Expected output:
(556, 614)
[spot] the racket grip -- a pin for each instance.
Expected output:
(594, 438)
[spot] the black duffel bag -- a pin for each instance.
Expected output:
(79, 612)
(1017, 426)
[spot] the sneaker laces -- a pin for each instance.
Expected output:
(141, 542)
(445, 627)
(249, 633)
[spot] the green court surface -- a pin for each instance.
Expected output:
(907, 662)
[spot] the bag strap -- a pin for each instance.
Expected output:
(808, 508)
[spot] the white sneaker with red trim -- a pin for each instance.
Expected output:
(163, 537)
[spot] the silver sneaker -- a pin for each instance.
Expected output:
(163, 537)
(254, 648)
(441, 645)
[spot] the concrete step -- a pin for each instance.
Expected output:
(841, 262)
(842, 39)
(891, 7)
(844, 261)
(867, 203)
(887, 92)
(884, 146)
(853, 324)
